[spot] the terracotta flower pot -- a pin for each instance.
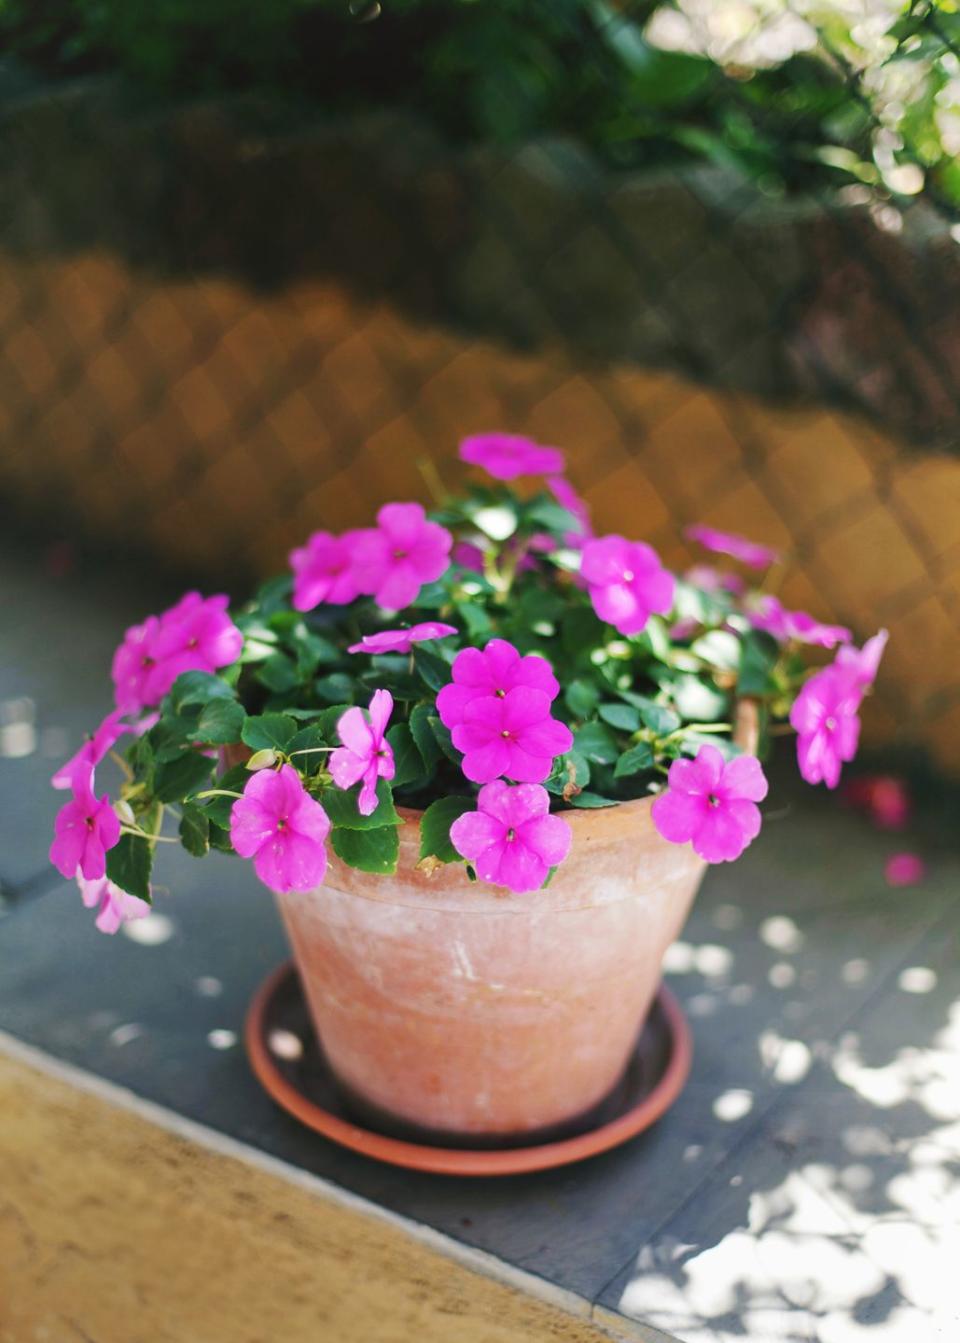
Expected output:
(461, 1009)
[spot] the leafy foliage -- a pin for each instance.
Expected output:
(791, 102)
(633, 703)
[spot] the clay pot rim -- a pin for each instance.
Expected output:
(449, 885)
(746, 734)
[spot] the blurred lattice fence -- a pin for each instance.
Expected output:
(219, 335)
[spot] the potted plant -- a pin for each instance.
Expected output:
(482, 757)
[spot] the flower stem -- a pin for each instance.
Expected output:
(431, 478)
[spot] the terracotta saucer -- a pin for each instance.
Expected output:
(287, 1059)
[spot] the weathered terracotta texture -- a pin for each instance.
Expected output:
(457, 1006)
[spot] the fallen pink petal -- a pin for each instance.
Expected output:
(904, 869)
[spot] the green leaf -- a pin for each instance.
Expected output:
(581, 697)
(268, 729)
(129, 864)
(634, 761)
(657, 717)
(760, 654)
(547, 513)
(195, 831)
(219, 808)
(311, 649)
(278, 673)
(141, 757)
(171, 736)
(559, 776)
(423, 734)
(580, 633)
(335, 688)
(655, 636)
(718, 648)
(369, 850)
(692, 741)
(435, 827)
(433, 669)
(198, 687)
(220, 839)
(699, 702)
(430, 597)
(477, 620)
(309, 738)
(221, 721)
(445, 741)
(408, 762)
(178, 778)
(596, 743)
(328, 721)
(341, 806)
(587, 799)
(624, 717)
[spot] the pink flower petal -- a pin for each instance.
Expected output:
(904, 869)
(474, 832)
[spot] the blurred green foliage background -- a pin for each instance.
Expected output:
(794, 94)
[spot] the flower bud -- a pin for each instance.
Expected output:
(124, 810)
(263, 759)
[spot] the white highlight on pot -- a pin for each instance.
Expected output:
(221, 1038)
(733, 1105)
(152, 931)
(782, 934)
(918, 979)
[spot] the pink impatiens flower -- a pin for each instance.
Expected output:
(392, 561)
(93, 750)
(283, 829)
(825, 717)
(710, 579)
(401, 641)
(626, 582)
(492, 671)
(365, 754)
(137, 678)
(468, 556)
(323, 571)
(113, 905)
(904, 869)
(84, 830)
(506, 456)
(514, 736)
(767, 613)
(196, 634)
(862, 664)
(884, 797)
(511, 839)
(751, 554)
(712, 803)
